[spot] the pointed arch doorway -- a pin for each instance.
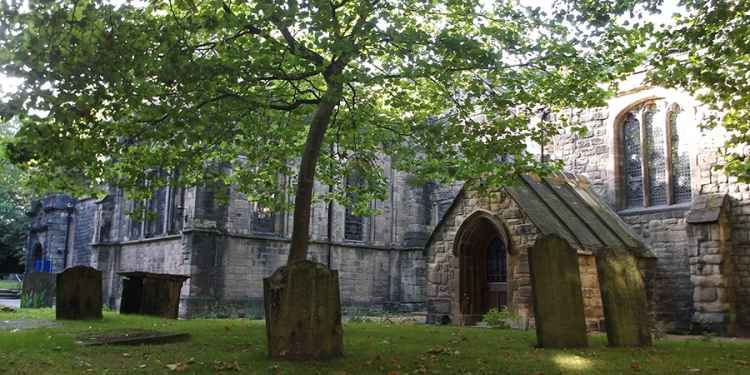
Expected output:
(482, 249)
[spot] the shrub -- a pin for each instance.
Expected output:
(32, 300)
(498, 318)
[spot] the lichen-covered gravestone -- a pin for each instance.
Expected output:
(558, 301)
(79, 294)
(303, 312)
(624, 298)
(38, 290)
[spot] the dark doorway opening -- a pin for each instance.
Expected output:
(483, 268)
(39, 264)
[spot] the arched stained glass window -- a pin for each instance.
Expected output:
(656, 156)
(497, 268)
(655, 166)
(681, 190)
(631, 135)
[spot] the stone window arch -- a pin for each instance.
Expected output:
(653, 166)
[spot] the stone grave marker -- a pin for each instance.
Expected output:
(558, 300)
(303, 312)
(38, 290)
(624, 298)
(151, 294)
(79, 294)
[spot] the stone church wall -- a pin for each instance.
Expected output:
(227, 274)
(83, 232)
(226, 256)
(158, 255)
(665, 230)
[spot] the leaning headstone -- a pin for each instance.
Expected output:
(624, 298)
(303, 312)
(38, 290)
(79, 294)
(558, 301)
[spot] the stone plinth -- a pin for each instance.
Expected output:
(151, 294)
(558, 301)
(79, 294)
(303, 312)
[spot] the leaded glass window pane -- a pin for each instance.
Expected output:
(263, 219)
(656, 156)
(353, 224)
(135, 220)
(633, 175)
(156, 209)
(681, 190)
(497, 267)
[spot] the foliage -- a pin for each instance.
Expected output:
(498, 318)
(661, 329)
(371, 349)
(32, 299)
(14, 201)
(707, 53)
(227, 92)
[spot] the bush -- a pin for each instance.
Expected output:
(32, 300)
(498, 318)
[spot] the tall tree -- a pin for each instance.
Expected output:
(707, 52)
(240, 92)
(14, 201)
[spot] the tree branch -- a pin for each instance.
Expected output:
(294, 46)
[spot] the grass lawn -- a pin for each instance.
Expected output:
(7, 284)
(238, 346)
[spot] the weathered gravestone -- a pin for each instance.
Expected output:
(79, 294)
(148, 293)
(624, 298)
(38, 290)
(558, 301)
(303, 312)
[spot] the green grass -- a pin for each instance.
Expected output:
(231, 345)
(7, 284)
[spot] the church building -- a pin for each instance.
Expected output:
(642, 179)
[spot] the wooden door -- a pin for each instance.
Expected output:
(497, 275)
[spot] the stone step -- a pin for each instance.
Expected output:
(9, 294)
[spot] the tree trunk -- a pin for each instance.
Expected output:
(306, 178)
(303, 310)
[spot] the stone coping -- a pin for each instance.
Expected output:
(654, 209)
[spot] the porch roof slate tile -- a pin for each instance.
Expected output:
(565, 205)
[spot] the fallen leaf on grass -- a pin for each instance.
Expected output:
(177, 367)
(225, 366)
(635, 366)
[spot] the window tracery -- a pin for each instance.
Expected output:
(655, 164)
